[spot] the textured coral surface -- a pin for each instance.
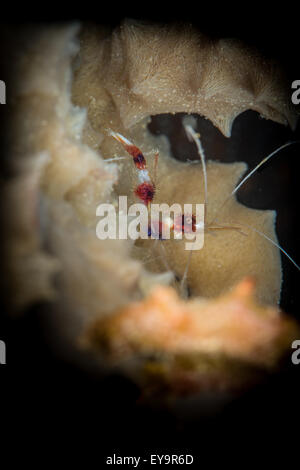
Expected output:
(71, 93)
(140, 71)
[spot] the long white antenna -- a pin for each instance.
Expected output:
(267, 238)
(264, 160)
(261, 163)
(192, 135)
(185, 274)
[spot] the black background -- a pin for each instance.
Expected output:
(51, 405)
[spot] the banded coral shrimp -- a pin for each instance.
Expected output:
(232, 228)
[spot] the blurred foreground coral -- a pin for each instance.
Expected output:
(195, 340)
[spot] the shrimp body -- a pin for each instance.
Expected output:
(145, 191)
(186, 223)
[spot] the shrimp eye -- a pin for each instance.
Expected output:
(139, 161)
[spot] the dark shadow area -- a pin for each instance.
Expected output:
(52, 408)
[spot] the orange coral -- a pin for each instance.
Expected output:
(233, 325)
